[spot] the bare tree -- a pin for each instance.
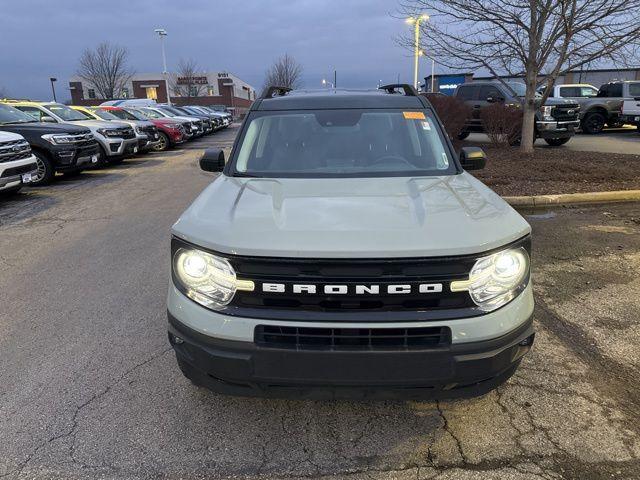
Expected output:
(285, 72)
(537, 40)
(106, 69)
(187, 81)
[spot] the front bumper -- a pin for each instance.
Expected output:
(555, 129)
(245, 369)
(11, 172)
(116, 147)
(71, 158)
(484, 352)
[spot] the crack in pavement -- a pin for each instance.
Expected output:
(72, 432)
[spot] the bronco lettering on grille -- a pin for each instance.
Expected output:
(312, 289)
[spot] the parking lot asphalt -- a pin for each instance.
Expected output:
(90, 387)
(611, 140)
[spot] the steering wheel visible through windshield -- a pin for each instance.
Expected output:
(342, 143)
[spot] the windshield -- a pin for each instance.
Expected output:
(342, 143)
(171, 111)
(65, 113)
(520, 89)
(129, 114)
(9, 114)
(104, 115)
(152, 113)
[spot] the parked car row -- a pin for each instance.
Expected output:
(556, 120)
(40, 139)
(600, 107)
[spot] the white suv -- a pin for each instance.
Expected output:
(17, 163)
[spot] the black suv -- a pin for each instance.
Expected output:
(57, 147)
(556, 120)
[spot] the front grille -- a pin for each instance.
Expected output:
(306, 338)
(14, 150)
(150, 131)
(351, 273)
(566, 113)
(10, 172)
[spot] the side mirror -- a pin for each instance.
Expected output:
(472, 158)
(212, 160)
(48, 119)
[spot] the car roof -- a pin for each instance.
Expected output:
(337, 99)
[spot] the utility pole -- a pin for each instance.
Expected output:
(335, 79)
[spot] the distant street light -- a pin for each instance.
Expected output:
(163, 33)
(415, 21)
(53, 87)
(433, 69)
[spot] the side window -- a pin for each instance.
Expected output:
(616, 90)
(568, 92)
(33, 111)
(490, 91)
(465, 92)
(634, 90)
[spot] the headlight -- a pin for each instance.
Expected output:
(105, 132)
(207, 279)
(496, 279)
(546, 113)
(57, 139)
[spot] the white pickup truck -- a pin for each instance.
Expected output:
(631, 112)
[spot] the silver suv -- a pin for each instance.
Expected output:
(345, 251)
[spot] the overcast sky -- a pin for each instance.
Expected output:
(44, 38)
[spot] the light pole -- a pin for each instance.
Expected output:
(433, 70)
(163, 33)
(415, 21)
(53, 87)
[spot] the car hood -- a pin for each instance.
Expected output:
(553, 102)
(184, 118)
(95, 124)
(43, 128)
(350, 218)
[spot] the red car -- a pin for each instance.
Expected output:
(171, 131)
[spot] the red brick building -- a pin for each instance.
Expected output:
(209, 88)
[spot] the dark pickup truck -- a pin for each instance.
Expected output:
(57, 147)
(556, 120)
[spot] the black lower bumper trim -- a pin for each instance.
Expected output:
(244, 369)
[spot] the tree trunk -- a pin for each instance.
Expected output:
(528, 113)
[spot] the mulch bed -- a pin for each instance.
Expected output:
(557, 170)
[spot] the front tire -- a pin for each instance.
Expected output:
(44, 171)
(557, 142)
(163, 144)
(593, 123)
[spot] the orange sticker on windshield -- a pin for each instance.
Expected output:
(413, 115)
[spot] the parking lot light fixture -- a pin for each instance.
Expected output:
(415, 21)
(163, 33)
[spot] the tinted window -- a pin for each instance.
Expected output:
(342, 143)
(490, 91)
(466, 92)
(34, 112)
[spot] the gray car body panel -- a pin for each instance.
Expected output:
(350, 217)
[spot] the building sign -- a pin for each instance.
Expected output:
(223, 75)
(448, 83)
(192, 81)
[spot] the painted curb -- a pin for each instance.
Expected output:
(574, 198)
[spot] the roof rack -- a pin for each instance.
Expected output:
(409, 90)
(275, 91)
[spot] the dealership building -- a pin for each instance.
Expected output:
(447, 83)
(207, 88)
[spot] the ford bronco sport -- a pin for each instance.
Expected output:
(345, 251)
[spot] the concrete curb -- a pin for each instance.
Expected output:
(574, 198)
